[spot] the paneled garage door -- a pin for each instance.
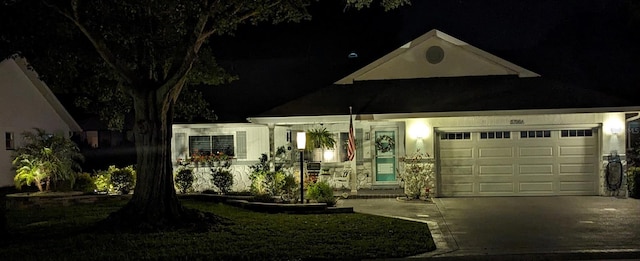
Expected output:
(518, 163)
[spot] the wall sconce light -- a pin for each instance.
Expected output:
(418, 131)
(367, 135)
(328, 155)
(616, 130)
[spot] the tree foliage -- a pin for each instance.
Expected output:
(150, 50)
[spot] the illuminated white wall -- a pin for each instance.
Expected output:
(22, 108)
(613, 133)
(419, 136)
(607, 121)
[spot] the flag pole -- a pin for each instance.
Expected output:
(351, 151)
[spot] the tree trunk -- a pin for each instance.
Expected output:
(154, 204)
(38, 184)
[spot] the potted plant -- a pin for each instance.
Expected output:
(320, 138)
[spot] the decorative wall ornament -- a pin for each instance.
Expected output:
(385, 143)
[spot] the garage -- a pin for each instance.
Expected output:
(526, 162)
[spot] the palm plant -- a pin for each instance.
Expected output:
(320, 138)
(29, 172)
(45, 157)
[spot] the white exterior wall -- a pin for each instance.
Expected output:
(280, 137)
(413, 134)
(257, 140)
(420, 132)
(22, 108)
(257, 137)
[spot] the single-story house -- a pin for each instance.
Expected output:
(26, 103)
(492, 128)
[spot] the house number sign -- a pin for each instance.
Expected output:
(517, 121)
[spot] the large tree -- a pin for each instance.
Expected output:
(151, 50)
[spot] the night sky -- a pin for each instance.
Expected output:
(591, 42)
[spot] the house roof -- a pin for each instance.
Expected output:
(453, 94)
(435, 54)
(42, 87)
(412, 80)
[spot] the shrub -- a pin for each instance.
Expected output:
(220, 166)
(418, 173)
(290, 189)
(123, 180)
(84, 182)
(267, 182)
(273, 183)
(184, 179)
(633, 182)
(322, 193)
(223, 179)
(102, 180)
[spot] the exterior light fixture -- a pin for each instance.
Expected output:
(616, 130)
(419, 130)
(328, 155)
(301, 140)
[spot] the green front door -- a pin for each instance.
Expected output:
(385, 147)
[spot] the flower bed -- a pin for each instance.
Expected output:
(39, 200)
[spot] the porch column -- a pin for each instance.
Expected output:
(353, 178)
(272, 142)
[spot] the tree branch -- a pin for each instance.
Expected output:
(99, 45)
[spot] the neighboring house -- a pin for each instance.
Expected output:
(492, 127)
(26, 103)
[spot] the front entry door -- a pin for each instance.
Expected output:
(385, 155)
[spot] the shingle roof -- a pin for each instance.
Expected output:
(474, 93)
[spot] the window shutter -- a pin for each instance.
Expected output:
(359, 147)
(180, 146)
(241, 144)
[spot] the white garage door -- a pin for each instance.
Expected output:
(518, 163)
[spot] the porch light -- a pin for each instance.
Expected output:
(616, 130)
(328, 155)
(419, 130)
(301, 141)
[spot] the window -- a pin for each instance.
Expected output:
(495, 135)
(208, 145)
(9, 141)
(455, 136)
(535, 134)
(576, 133)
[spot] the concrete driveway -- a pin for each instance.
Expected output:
(490, 226)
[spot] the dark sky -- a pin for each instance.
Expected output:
(593, 42)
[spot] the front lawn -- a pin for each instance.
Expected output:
(61, 234)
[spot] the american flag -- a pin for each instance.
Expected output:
(351, 144)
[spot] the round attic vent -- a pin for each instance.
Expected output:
(435, 54)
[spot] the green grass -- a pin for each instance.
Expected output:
(61, 234)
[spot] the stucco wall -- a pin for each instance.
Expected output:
(22, 108)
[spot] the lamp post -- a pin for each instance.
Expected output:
(301, 140)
